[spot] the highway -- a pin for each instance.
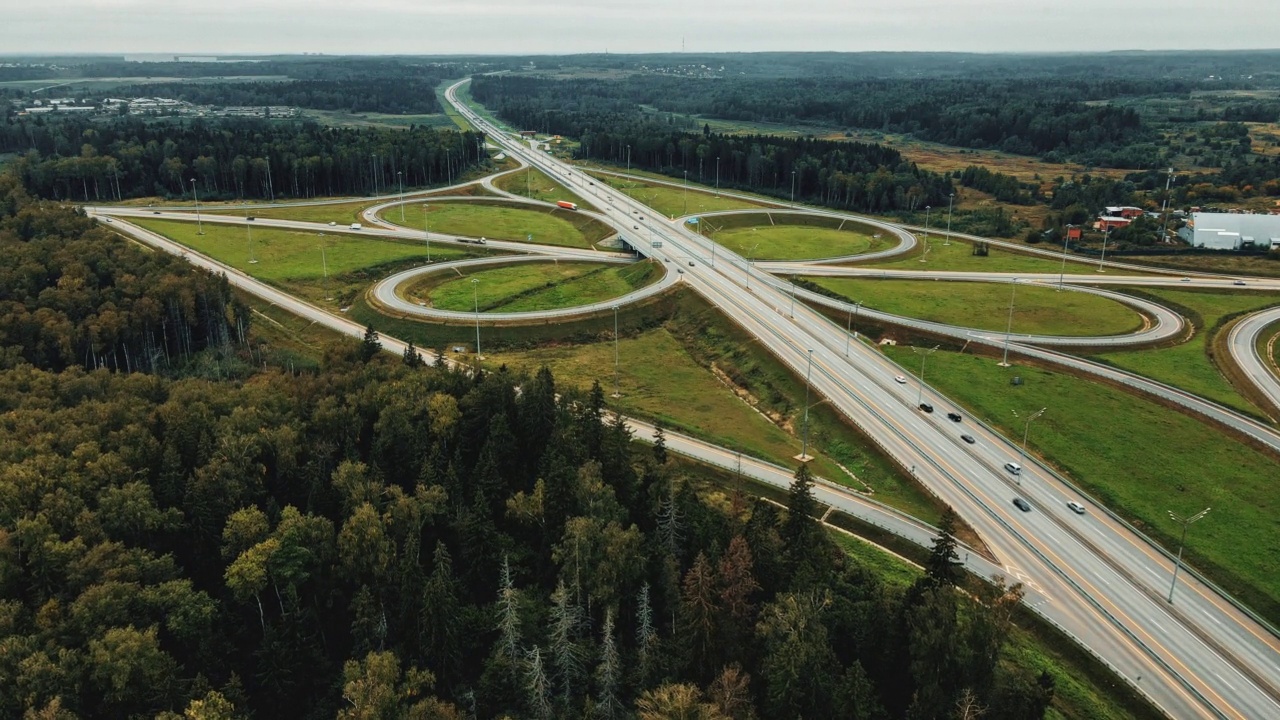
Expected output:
(1093, 575)
(1243, 341)
(1198, 658)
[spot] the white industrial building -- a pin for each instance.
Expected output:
(1231, 231)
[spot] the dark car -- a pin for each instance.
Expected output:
(954, 416)
(967, 438)
(926, 407)
(1022, 504)
(251, 217)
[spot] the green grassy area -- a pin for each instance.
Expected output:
(347, 119)
(793, 242)
(1038, 310)
(537, 185)
(1139, 458)
(284, 339)
(449, 112)
(702, 375)
(291, 259)
(674, 201)
(343, 213)
(1225, 263)
(550, 226)
(538, 286)
(1189, 366)
(958, 255)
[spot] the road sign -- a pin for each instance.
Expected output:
(528, 238)
(656, 243)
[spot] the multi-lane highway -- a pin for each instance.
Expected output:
(1243, 342)
(1091, 574)
(1199, 658)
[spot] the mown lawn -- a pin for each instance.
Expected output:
(959, 256)
(674, 202)
(1188, 366)
(1142, 460)
(1036, 310)
(541, 286)
(341, 213)
(794, 242)
(565, 228)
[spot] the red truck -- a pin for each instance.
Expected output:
(567, 205)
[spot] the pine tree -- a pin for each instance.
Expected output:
(608, 672)
(537, 685)
(440, 618)
(660, 445)
(566, 654)
(508, 616)
(411, 357)
(646, 636)
(698, 619)
(943, 565)
(670, 524)
(798, 528)
(370, 346)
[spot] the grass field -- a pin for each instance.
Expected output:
(343, 118)
(340, 213)
(1227, 264)
(672, 201)
(795, 242)
(1140, 459)
(1188, 366)
(959, 256)
(505, 222)
(537, 185)
(291, 259)
(539, 286)
(1037, 310)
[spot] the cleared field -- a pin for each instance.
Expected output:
(1244, 265)
(787, 241)
(1189, 366)
(958, 255)
(342, 118)
(341, 213)
(675, 202)
(539, 286)
(1139, 458)
(565, 228)
(537, 185)
(1037, 310)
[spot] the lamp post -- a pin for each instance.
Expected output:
(400, 179)
(1164, 207)
(475, 299)
(927, 209)
(1062, 271)
(628, 158)
(950, 201)
(194, 194)
(924, 354)
(792, 312)
(804, 448)
(685, 193)
(750, 254)
(793, 187)
(1185, 522)
(248, 233)
(1008, 328)
(717, 176)
(1026, 431)
(373, 160)
(426, 229)
(848, 329)
(616, 392)
(324, 263)
(1105, 236)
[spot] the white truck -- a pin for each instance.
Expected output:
(355, 226)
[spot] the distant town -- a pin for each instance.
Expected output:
(148, 106)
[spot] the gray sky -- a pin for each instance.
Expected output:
(574, 26)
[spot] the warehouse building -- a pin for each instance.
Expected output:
(1231, 231)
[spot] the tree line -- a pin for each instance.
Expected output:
(381, 539)
(381, 95)
(85, 160)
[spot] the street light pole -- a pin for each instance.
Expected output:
(804, 449)
(848, 328)
(426, 229)
(196, 195)
(1008, 328)
(1105, 236)
(475, 299)
(1185, 522)
(400, 179)
(1164, 207)
(324, 263)
(793, 187)
(927, 209)
(1026, 431)
(924, 354)
(717, 176)
(685, 193)
(1062, 271)
(950, 201)
(616, 392)
(792, 312)
(628, 158)
(750, 254)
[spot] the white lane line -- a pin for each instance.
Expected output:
(1224, 682)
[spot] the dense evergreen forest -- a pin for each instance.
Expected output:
(1026, 117)
(91, 160)
(381, 95)
(380, 539)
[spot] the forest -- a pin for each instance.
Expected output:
(383, 539)
(380, 94)
(91, 161)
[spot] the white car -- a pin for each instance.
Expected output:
(900, 380)
(332, 224)
(1076, 507)
(1185, 280)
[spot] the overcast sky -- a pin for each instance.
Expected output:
(576, 26)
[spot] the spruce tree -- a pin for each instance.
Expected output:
(411, 357)
(370, 346)
(943, 565)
